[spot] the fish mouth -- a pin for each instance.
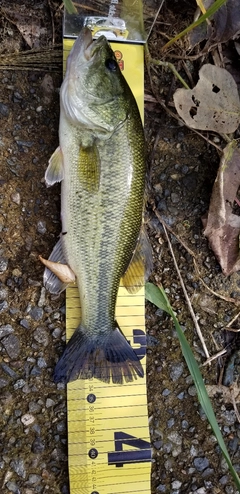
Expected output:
(85, 47)
(92, 46)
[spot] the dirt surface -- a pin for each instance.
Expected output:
(183, 166)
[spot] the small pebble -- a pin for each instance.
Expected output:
(201, 463)
(34, 479)
(158, 444)
(193, 451)
(27, 144)
(176, 484)
(18, 466)
(61, 426)
(36, 313)
(175, 198)
(42, 298)
(228, 417)
(41, 362)
(24, 323)
(56, 333)
(175, 437)
(13, 487)
(41, 336)
(192, 391)
(3, 382)
(11, 344)
(3, 264)
(181, 395)
(176, 371)
(6, 330)
(38, 446)
(35, 371)
(166, 392)
(170, 423)
(49, 403)
(27, 419)
(19, 384)
(16, 198)
(207, 473)
(17, 97)
(161, 488)
(3, 305)
(4, 110)
(34, 407)
(8, 370)
(41, 227)
(3, 293)
(65, 489)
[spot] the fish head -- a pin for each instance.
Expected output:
(93, 93)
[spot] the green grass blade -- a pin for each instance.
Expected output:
(159, 298)
(70, 7)
(154, 295)
(199, 21)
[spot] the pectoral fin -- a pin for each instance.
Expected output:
(89, 168)
(54, 172)
(57, 274)
(140, 265)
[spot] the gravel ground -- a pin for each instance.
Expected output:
(33, 436)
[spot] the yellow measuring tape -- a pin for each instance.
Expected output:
(108, 436)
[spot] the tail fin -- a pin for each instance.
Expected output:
(104, 358)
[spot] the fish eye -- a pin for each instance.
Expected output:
(111, 64)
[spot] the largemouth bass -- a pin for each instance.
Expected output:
(100, 163)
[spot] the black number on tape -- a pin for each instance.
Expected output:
(120, 457)
(93, 453)
(139, 338)
(91, 398)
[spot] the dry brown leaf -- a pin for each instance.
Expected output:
(214, 102)
(222, 227)
(30, 28)
(225, 25)
(226, 22)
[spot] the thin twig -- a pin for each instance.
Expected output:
(154, 20)
(233, 320)
(218, 295)
(234, 330)
(172, 232)
(52, 21)
(219, 354)
(186, 296)
(168, 65)
(234, 404)
(190, 77)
